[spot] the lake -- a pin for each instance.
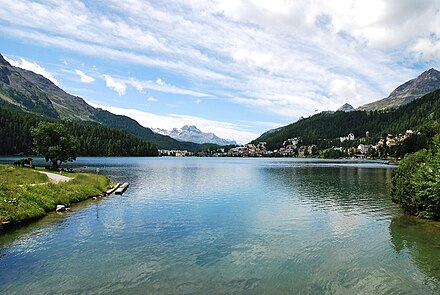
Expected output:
(228, 225)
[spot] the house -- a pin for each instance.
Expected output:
(391, 142)
(262, 145)
(363, 148)
(408, 133)
(302, 152)
(175, 153)
(238, 151)
(350, 136)
(311, 150)
(292, 141)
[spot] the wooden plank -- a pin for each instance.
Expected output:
(110, 191)
(121, 189)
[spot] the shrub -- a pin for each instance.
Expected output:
(415, 184)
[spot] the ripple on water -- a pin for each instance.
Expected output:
(228, 226)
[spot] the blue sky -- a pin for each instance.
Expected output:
(235, 68)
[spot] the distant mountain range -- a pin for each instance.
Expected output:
(413, 89)
(27, 91)
(192, 134)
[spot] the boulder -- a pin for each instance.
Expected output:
(60, 208)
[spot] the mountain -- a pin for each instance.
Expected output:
(22, 89)
(346, 108)
(413, 89)
(324, 129)
(27, 91)
(131, 126)
(192, 134)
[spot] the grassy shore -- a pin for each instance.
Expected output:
(27, 194)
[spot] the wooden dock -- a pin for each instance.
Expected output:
(113, 189)
(122, 188)
(107, 192)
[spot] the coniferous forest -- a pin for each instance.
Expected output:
(94, 139)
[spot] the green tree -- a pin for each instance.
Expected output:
(402, 184)
(54, 143)
(427, 183)
(331, 153)
(416, 183)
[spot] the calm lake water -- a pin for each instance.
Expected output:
(221, 225)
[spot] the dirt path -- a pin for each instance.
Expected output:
(55, 178)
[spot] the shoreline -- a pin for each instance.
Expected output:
(25, 202)
(8, 226)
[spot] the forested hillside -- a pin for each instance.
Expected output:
(23, 90)
(322, 129)
(94, 139)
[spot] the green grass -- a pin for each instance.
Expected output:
(21, 199)
(18, 176)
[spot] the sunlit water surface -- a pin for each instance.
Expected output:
(220, 225)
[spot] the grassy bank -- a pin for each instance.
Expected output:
(26, 194)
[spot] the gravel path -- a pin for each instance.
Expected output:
(55, 178)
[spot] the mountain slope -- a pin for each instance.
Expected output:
(324, 129)
(192, 134)
(93, 139)
(24, 90)
(413, 89)
(36, 94)
(273, 130)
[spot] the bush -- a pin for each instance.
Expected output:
(415, 185)
(331, 153)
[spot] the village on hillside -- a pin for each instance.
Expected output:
(350, 147)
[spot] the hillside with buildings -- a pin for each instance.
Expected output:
(327, 129)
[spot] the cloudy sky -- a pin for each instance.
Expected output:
(236, 68)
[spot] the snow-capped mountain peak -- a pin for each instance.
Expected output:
(193, 134)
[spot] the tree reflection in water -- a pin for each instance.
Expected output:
(421, 239)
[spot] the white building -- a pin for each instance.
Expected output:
(350, 136)
(363, 148)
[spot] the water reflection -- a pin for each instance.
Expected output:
(421, 240)
(347, 189)
(222, 226)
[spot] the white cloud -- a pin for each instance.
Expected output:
(283, 57)
(222, 129)
(160, 85)
(152, 99)
(34, 67)
(120, 85)
(426, 49)
(345, 90)
(385, 23)
(160, 82)
(84, 77)
(116, 85)
(197, 101)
